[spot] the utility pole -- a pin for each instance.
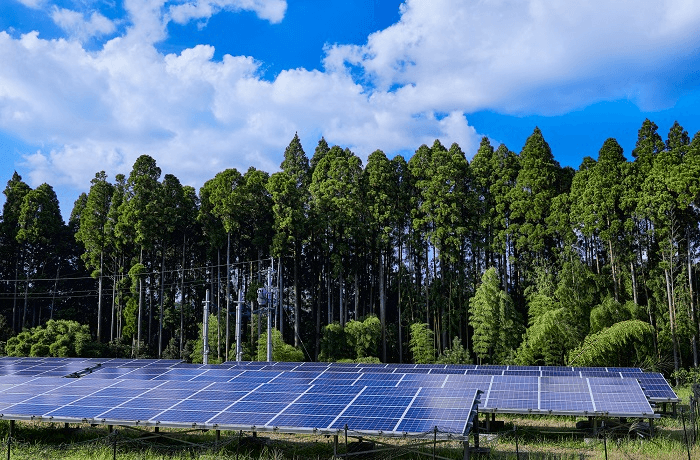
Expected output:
(266, 304)
(205, 331)
(269, 312)
(239, 307)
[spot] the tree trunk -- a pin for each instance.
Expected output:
(182, 295)
(634, 283)
(693, 321)
(612, 270)
(162, 294)
(328, 296)
(228, 292)
(672, 321)
(140, 315)
(99, 301)
(398, 306)
(297, 301)
(357, 295)
(218, 303)
(382, 304)
(341, 297)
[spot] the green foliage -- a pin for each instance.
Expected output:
(58, 338)
(334, 344)
(280, 351)
(456, 354)
(544, 341)
(364, 336)
(198, 349)
(536, 186)
(608, 313)
(422, 343)
(621, 344)
(497, 326)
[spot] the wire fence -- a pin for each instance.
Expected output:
(610, 441)
(118, 444)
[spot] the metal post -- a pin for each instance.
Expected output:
(465, 444)
(269, 313)
(205, 331)
(605, 442)
(435, 430)
(239, 307)
(685, 435)
(9, 438)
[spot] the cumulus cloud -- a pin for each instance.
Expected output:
(271, 10)
(530, 56)
(196, 115)
(34, 4)
(77, 26)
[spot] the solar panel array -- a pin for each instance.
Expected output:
(654, 385)
(313, 397)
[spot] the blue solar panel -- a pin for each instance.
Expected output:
(655, 386)
(365, 397)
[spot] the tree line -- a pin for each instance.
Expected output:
(512, 255)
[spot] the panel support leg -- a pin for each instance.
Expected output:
(9, 438)
(466, 450)
(335, 446)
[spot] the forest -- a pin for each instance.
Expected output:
(509, 258)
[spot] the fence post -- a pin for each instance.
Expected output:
(685, 434)
(9, 438)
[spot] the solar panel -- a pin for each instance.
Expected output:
(655, 386)
(315, 397)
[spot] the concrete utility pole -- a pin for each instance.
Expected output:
(205, 331)
(239, 307)
(270, 305)
(266, 304)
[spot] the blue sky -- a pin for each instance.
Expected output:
(204, 85)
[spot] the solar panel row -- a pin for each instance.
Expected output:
(245, 404)
(310, 397)
(654, 385)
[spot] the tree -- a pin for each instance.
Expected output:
(364, 336)
(139, 219)
(497, 327)
(58, 338)
(421, 344)
(289, 190)
(335, 195)
(535, 188)
(623, 344)
(14, 193)
(41, 230)
(382, 214)
(92, 233)
(280, 351)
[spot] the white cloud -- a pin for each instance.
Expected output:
(34, 4)
(271, 10)
(94, 110)
(80, 28)
(530, 56)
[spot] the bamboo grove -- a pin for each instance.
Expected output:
(521, 260)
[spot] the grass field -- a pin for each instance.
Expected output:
(536, 438)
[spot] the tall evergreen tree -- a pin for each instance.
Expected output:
(92, 234)
(12, 252)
